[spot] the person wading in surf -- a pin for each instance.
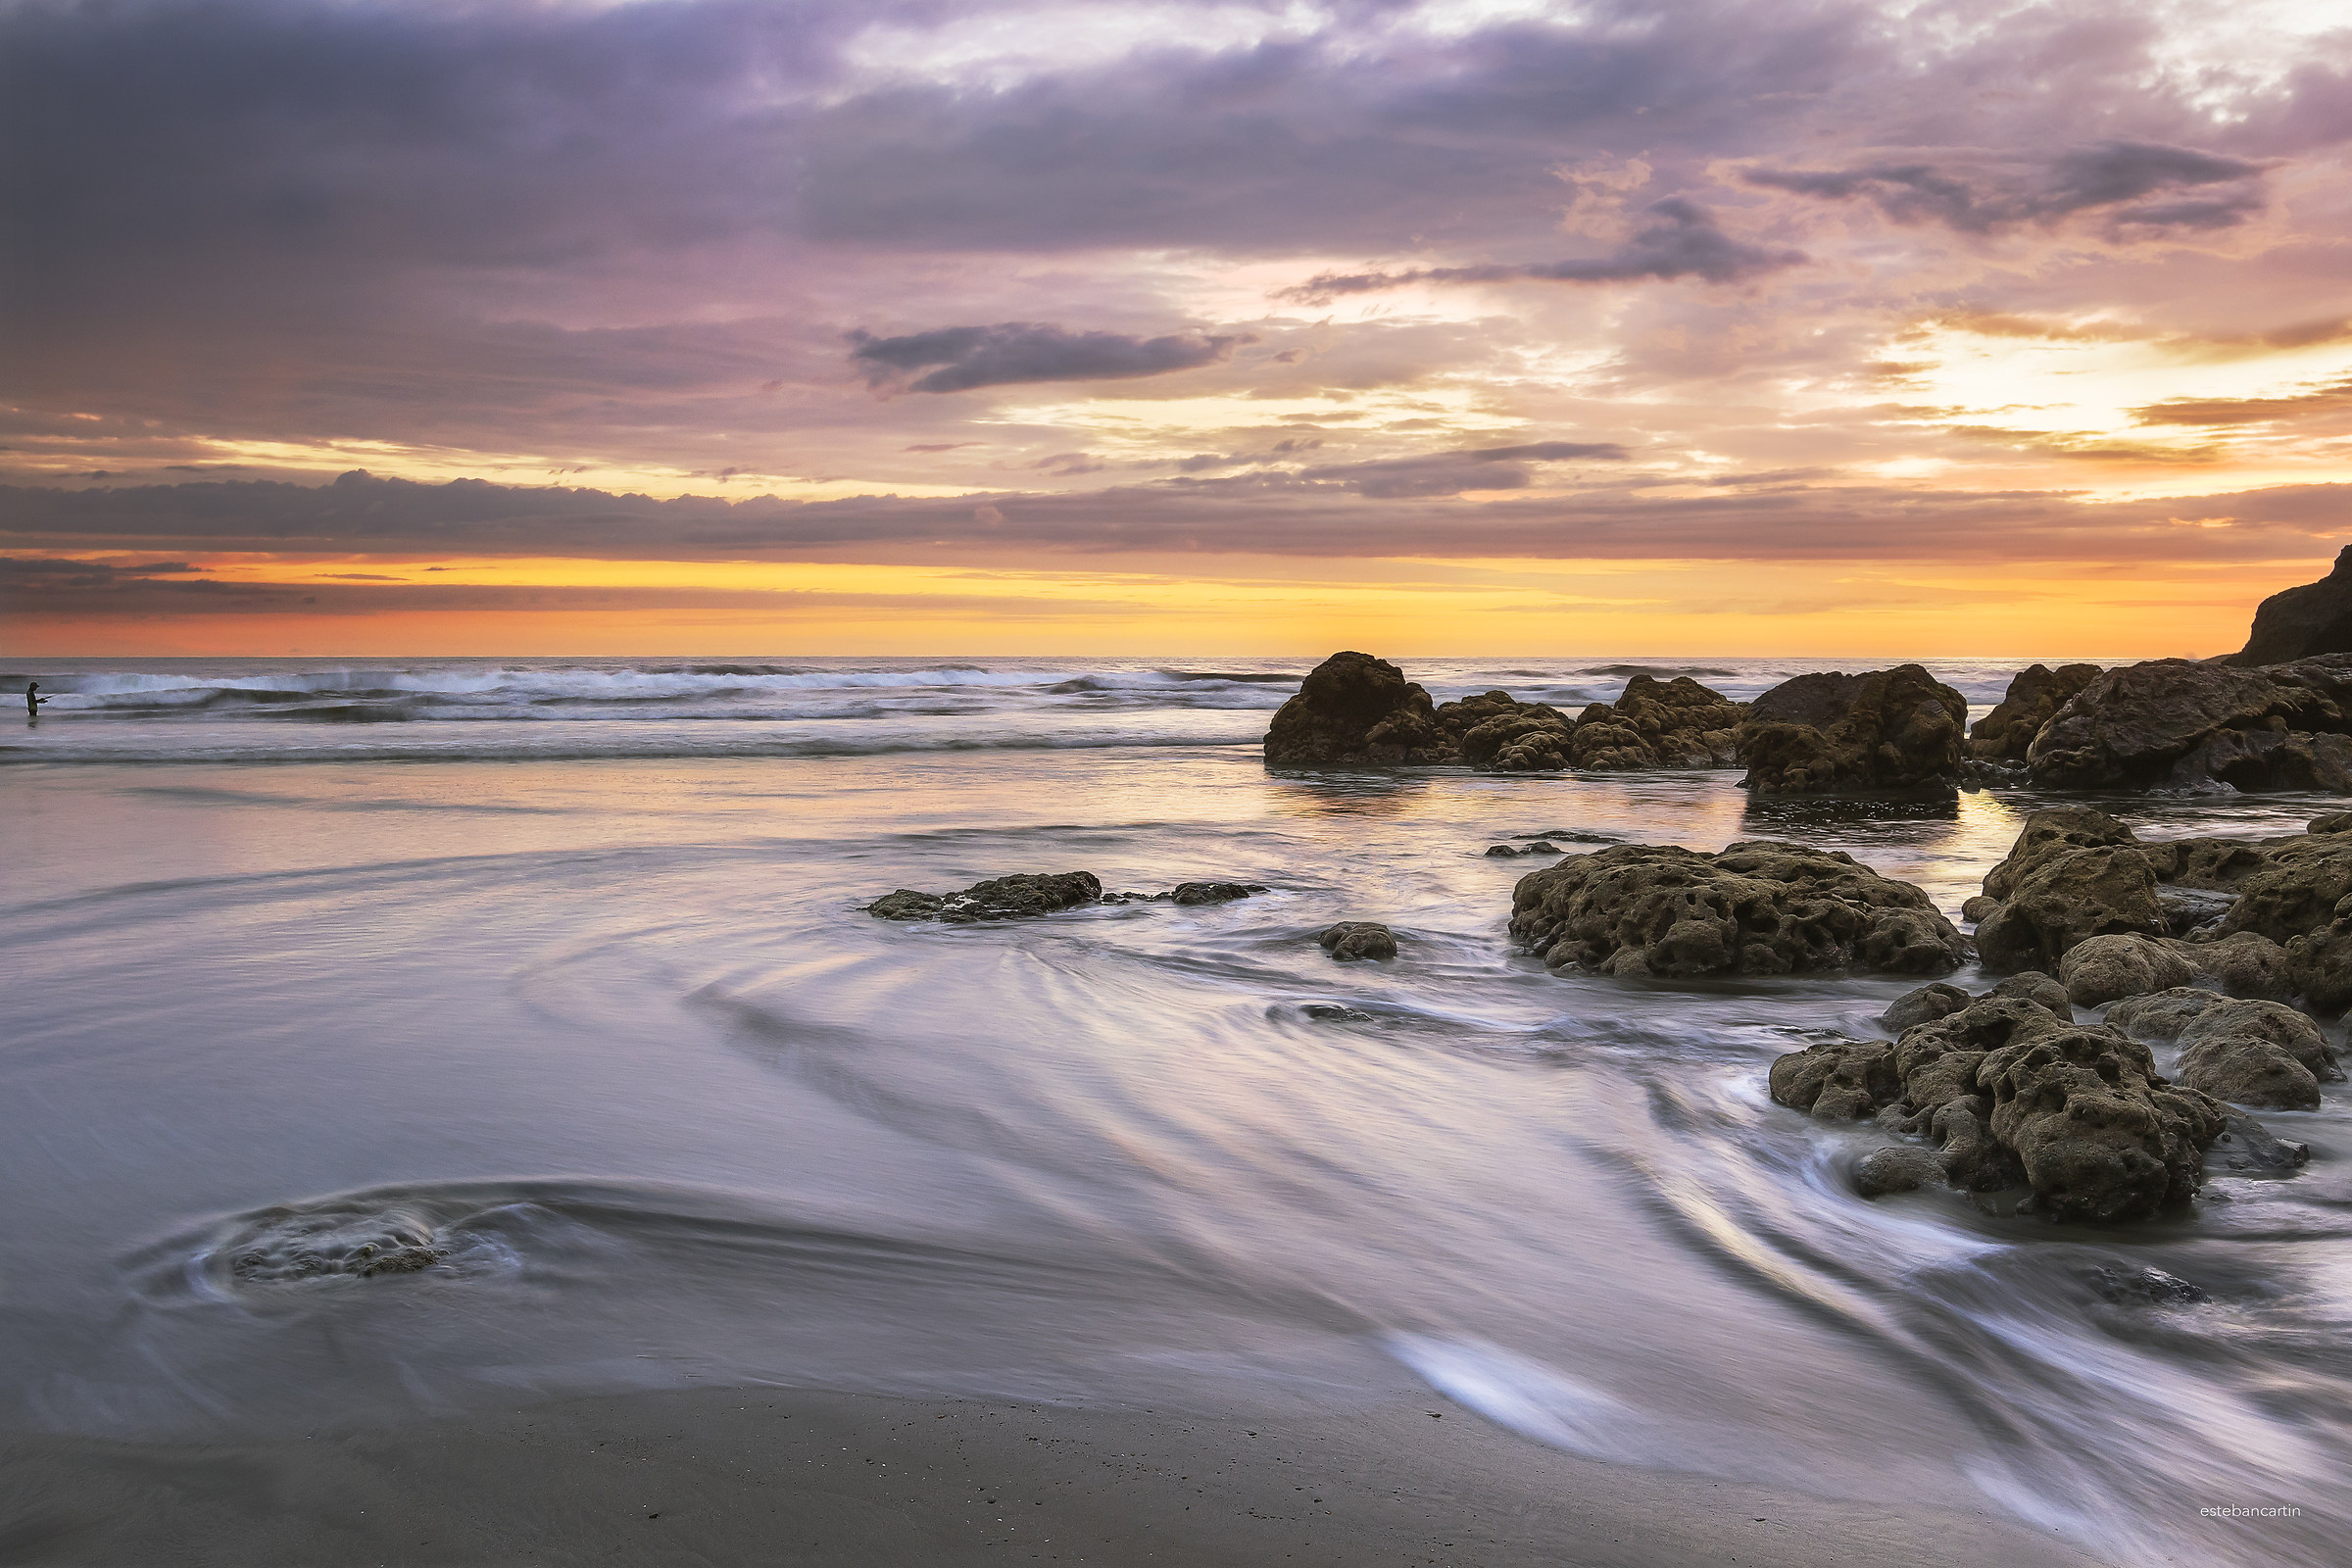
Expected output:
(32, 704)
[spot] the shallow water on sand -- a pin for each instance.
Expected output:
(348, 1089)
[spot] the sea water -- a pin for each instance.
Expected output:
(396, 1037)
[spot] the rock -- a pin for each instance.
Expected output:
(2101, 1137)
(1005, 897)
(2104, 968)
(1350, 940)
(1532, 738)
(1897, 1168)
(2321, 961)
(1757, 907)
(2184, 725)
(2032, 986)
(1888, 731)
(1681, 722)
(2248, 1071)
(2299, 622)
(2133, 1284)
(2067, 899)
(2243, 964)
(1837, 1080)
(2296, 891)
(2158, 1017)
(1977, 908)
(2050, 833)
(2034, 697)
(2332, 821)
(1929, 1002)
(2245, 1145)
(2269, 1023)
(2187, 910)
(2012, 1094)
(1195, 893)
(1356, 709)
(2218, 865)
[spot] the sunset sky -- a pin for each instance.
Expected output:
(715, 327)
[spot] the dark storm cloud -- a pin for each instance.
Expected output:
(1014, 351)
(1258, 513)
(1450, 474)
(2195, 190)
(1680, 241)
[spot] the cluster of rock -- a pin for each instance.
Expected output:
(2035, 695)
(1027, 894)
(1356, 709)
(2175, 724)
(1757, 907)
(2082, 895)
(2009, 1090)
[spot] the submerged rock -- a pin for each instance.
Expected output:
(2034, 697)
(1352, 940)
(2245, 1145)
(1004, 898)
(331, 1246)
(2134, 1284)
(1756, 907)
(1194, 893)
(1353, 708)
(1892, 730)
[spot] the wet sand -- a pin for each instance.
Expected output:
(739, 1476)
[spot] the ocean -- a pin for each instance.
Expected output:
(559, 970)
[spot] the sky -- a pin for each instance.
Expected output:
(873, 326)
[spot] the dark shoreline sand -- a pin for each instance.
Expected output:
(766, 1475)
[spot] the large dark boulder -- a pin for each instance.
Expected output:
(1757, 907)
(2301, 622)
(2182, 724)
(1889, 731)
(1356, 709)
(2034, 697)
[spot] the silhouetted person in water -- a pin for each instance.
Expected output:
(32, 704)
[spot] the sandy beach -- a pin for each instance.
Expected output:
(764, 1475)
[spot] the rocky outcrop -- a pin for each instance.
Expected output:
(1890, 731)
(1352, 940)
(2009, 1092)
(2179, 724)
(2034, 697)
(1357, 710)
(1757, 907)
(2303, 623)
(1353, 708)
(1004, 898)
(2064, 898)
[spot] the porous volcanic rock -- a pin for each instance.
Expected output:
(1889, 731)
(2035, 695)
(2243, 963)
(2184, 725)
(1004, 898)
(1756, 907)
(1353, 708)
(2105, 968)
(2012, 1094)
(2302, 622)
(1352, 940)
(2065, 898)
(1925, 1004)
